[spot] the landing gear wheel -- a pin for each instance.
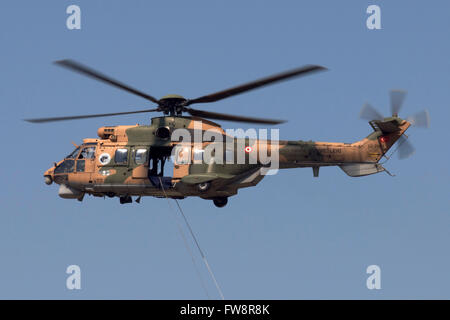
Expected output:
(125, 199)
(220, 202)
(204, 186)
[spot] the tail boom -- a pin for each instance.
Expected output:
(356, 159)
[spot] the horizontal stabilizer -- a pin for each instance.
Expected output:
(361, 169)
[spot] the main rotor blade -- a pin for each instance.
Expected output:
(369, 113)
(420, 119)
(229, 117)
(78, 67)
(397, 98)
(255, 84)
(53, 119)
(405, 148)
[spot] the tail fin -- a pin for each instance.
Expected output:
(385, 135)
(374, 146)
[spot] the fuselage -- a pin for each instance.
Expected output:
(160, 160)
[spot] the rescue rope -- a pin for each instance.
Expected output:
(201, 251)
(196, 243)
(186, 245)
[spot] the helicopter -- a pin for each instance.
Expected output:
(127, 161)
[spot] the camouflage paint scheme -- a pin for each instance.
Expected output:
(224, 180)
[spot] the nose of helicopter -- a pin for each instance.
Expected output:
(48, 176)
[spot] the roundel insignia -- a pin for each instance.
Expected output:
(248, 149)
(104, 158)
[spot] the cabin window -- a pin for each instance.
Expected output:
(121, 156)
(65, 167)
(198, 154)
(182, 155)
(87, 153)
(140, 156)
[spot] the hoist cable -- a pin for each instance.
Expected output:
(183, 237)
(201, 252)
(196, 242)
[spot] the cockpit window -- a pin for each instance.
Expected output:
(65, 167)
(87, 153)
(74, 154)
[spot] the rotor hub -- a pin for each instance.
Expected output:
(172, 104)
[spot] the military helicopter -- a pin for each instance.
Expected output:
(129, 160)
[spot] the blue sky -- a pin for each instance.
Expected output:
(292, 236)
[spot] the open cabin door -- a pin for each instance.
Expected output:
(160, 167)
(159, 162)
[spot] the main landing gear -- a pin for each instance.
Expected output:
(220, 202)
(125, 199)
(128, 199)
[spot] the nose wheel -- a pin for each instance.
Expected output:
(220, 202)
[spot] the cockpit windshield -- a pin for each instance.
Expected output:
(87, 151)
(73, 154)
(76, 159)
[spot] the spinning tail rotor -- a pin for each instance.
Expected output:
(390, 124)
